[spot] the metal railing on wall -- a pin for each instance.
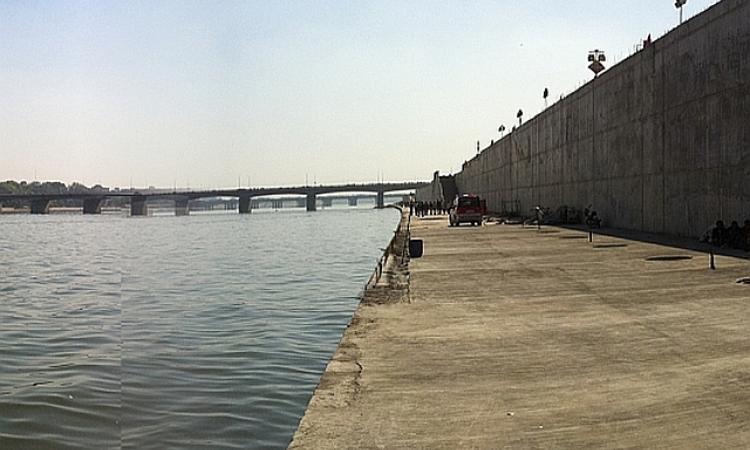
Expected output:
(398, 247)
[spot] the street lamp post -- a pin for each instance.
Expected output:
(596, 58)
(679, 4)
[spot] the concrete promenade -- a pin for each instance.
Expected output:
(513, 338)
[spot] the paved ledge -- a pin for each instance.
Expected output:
(520, 339)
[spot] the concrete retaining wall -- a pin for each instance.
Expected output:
(441, 190)
(659, 143)
(431, 192)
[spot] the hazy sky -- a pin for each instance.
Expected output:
(201, 93)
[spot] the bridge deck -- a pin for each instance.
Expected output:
(252, 192)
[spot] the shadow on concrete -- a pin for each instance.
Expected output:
(659, 239)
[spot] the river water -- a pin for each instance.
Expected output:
(209, 331)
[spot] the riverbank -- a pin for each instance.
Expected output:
(513, 338)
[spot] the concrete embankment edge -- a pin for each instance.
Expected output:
(340, 381)
(518, 338)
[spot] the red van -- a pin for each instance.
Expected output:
(466, 209)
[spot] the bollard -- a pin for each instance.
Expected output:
(711, 263)
(416, 248)
(591, 236)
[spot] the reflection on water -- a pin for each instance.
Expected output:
(207, 331)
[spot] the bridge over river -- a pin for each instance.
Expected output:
(92, 202)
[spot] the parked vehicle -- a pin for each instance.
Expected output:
(466, 209)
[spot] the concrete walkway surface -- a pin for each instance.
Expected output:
(513, 338)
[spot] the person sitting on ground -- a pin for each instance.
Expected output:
(591, 218)
(734, 235)
(718, 234)
(746, 235)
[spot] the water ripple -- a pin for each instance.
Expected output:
(192, 332)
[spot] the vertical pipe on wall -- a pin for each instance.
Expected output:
(593, 142)
(663, 149)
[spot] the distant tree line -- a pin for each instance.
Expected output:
(47, 187)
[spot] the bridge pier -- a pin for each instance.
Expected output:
(40, 206)
(245, 205)
(310, 203)
(182, 206)
(93, 205)
(138, 205)
(352, 201)
(380, 201)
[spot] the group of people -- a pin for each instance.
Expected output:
(421, 209)
(591, 218)
(734, 236)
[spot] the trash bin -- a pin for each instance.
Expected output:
(415, 248)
